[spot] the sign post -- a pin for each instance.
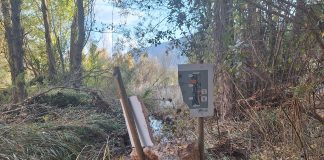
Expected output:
(196, 84)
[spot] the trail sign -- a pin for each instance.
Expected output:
(196, 84)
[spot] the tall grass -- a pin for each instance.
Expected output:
(74, 131)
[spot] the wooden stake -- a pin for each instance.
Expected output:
(201, 137)
(128, 112)
(201, 132)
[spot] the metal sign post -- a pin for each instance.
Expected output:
(196, 84)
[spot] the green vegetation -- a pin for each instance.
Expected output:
(57, 93)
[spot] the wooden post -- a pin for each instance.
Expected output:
(128, 112)
(201, 137)
(201, 132)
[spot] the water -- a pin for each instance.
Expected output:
(156, 125)
(161, 131)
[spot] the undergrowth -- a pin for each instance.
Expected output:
(70, 127)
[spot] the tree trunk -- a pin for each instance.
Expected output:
(299, 17)
(73, 45)
(5, 6)
(49, 48)
(299, 21)
(59, 49)
(77, 44)
(272, 32)
(222, 28)
(80, 42)
(14, 36)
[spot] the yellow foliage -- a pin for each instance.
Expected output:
(4, 66)
(46, 118)
(130, 61)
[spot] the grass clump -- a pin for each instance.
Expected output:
(63, 99)
(61, 132)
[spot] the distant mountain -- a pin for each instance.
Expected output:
(164, 52)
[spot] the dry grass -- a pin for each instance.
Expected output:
(71, 132)
(285, 130)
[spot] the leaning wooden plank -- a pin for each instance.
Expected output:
(140, 122)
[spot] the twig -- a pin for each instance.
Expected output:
(10, 111)
(295, 129)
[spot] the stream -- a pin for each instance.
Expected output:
(161, 131)
(156, 125)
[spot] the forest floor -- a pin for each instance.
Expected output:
(69, 124)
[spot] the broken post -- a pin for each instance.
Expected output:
(128, 112)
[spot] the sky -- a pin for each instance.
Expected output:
(107, 14)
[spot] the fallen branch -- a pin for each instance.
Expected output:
(12, 111)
